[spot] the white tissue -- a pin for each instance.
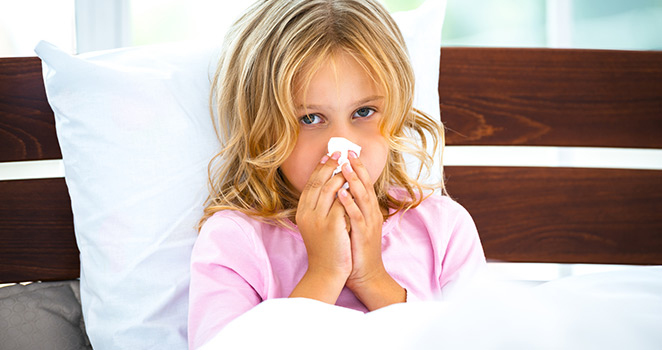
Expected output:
(342, 145)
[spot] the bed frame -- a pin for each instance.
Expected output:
(488, 96)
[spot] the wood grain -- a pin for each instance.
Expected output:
(551, 97)
(37, 239)
(567, 215)
(27, 126)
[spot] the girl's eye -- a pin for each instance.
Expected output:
(310, 119)
(364, 112)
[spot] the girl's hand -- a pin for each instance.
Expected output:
(321, 221)
(368, 279)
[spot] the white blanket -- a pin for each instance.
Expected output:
(612, 310)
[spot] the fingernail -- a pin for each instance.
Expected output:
(335, 155)
(342, 192)
(324, 159)
(353, 154)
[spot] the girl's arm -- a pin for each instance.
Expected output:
(320, 285)
(226, 278)
(378, 291)
(464, 259)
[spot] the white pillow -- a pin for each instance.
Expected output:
(136, 136)
(421, 29)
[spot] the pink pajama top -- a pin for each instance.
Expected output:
(237, 261)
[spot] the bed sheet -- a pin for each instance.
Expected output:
(610, 310)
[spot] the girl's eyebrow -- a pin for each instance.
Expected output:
(368, 99)
(354, 104)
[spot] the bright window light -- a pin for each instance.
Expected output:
(24, 23)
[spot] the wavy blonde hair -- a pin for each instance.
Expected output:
(277, 43)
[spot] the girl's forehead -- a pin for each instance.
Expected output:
(333, 65)
(337, 82)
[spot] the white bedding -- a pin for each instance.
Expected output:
(612, 310)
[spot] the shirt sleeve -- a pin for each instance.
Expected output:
(464, 260)
(227, 277)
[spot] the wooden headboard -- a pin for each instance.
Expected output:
(37, 239)
(537, 97)
(548, 97)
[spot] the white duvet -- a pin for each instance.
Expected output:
(612, 310)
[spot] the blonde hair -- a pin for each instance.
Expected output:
(272, 46)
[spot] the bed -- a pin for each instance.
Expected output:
(487, 97)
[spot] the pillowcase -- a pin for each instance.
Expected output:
(42, 315)
(136, 137)
(421, 29)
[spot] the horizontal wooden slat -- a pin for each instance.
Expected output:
(551, 97)
(566, 215)
(27, 127)
(37, 239)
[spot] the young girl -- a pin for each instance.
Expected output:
(278, 224)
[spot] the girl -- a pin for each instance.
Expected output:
(278, 224)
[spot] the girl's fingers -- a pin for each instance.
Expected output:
(360, 169)
(328, 193)
(353, 211)
(362, 190)
(320, 176)
(336, 210)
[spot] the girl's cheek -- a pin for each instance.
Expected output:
(375, 157)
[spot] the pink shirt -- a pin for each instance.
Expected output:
(237, 261)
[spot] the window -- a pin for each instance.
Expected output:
(24, 23)
(590, 24)
(157, 21)
(82, 25)
(629, 25)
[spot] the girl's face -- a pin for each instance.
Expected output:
(340, 101)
